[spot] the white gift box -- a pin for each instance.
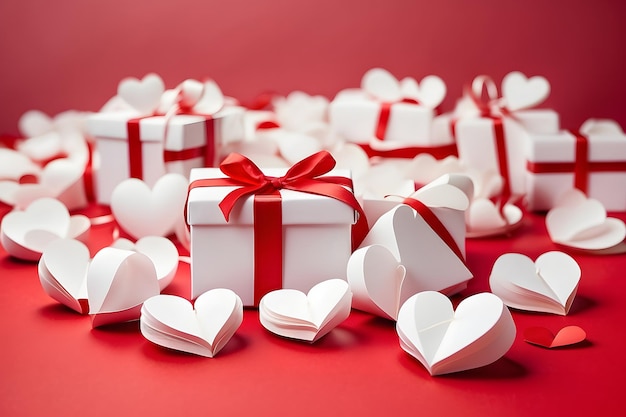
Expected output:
(316, 238)
(551, 163)
(184, 148)
(478, 149)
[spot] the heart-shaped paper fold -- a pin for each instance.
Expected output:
(484, 219)
(63, 273)
(582, 223)
(118, 282)
(543, 337)
(161, 251)
(478, 333)
(299, 111)
(382, 85)
(202, 329)
(142, 211)
(25, 234)
(14, 165)
(291, 313)
(142, 95)
(192, 96)
(424, 168)
(520, 92)
(547, 285)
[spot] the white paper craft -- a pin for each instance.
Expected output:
(582, 223)
(478, 333)
(14, 165)
(118, 282)
(63, 273)
(552, 161)
(354, 113)
(475, 134)
(308, 317)
(202, 329)
(161, 251)
(142, 211)
(402, 255)
(25, 234)
(547, 285)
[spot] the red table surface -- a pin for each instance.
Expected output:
(54, 364)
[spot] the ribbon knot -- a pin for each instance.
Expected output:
(277, 182)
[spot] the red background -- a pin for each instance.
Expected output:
(71, 54)
(67, 54)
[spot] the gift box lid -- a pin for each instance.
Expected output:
(561, 147)
(297, 207)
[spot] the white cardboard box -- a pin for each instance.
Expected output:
(185, 134)
(604, 149)
(316, 238)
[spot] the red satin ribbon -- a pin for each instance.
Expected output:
(503, 163)
(581, 167)
(385, 115)
(438, 152)
(438, 227)
(135, 150)
(304, 176)
(88, 174)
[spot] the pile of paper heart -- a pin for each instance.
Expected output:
(112, 286)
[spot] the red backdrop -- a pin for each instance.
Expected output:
(70, 54)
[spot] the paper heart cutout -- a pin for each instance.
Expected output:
(193, 96)
(291, 313)
(478, 333)
(118, 282)
(35, 123)
(430, 92)
(351, 156)
(295, 146)
(430, 263)
(14, 165)
(547, 285)
(543, 337)
(381, 84)
(202, 329)
(143, 95)
(520, 92)
(484, 219)
(376, 277)
(25, 234)
(142, 211)
(582, 223)
(7, 192)
(424, 168)
(299, 111)
(63, 273)
(161, 251)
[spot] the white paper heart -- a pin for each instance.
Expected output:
(212, 100)
(63, 273)
(424, 168)
(14, 165)
(308, 317)
(202, 329)
(26, 234)
(300, 111)
(430, 92)
(582, 223)
(295, 146)
(520, 92)
(484, 219)
(161, 251)
(142, 211)
(478, 333)
(381, 84)
(547, 285)
(430, 263)
(118, 282)
(35, 123)
(143, 95)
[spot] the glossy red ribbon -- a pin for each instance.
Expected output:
(385, 115)
(305, 176)
(438, 152)
(581, 167)
(438, 227)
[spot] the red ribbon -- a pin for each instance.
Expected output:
(438, 227)
(581, 167)
(438, 152)
(88, 174)
(385, 115)
(304, 176)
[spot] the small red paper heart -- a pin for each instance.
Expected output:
(543, 337)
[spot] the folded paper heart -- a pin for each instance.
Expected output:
(424, 168)
(143, 95)
(192, 96)
(14, 165)
(543, 337)
(484, 219)
(202, 329)
(478, 333)
(308, 317)
(520, 92)
(25, 234)
(298, 110)
(63, 273)
(161, 251)
(142, 211)
(382, 85)
(118, 282)
(547, 285)
(582, 223)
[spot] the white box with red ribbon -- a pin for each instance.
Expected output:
(491, 135)
(391, 118)
(146, 131)
(592, 159)
(255, 231)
